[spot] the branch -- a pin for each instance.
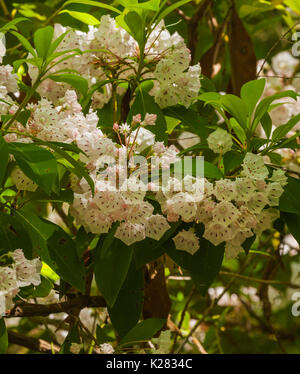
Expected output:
(264, 281)
(34, 344)
(28, 309)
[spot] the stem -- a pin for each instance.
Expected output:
(24, 102)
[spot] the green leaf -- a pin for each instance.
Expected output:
(135, 5)
(190, 118)
(93, 3)
(289, 201)
(25, 43)
(39, 231)
(43, 289)
(203, 266)
(38, 164)
(83, 17)
(72, 337)
(103, 334)
(212, 171)
(127, 309)
(136, 27)
(57, 42)
(231, 161)
(77, 169)
(251, 92)
(76, 81)
(293, 223)
(171, 124)
(4, 156)
(266, 123)
(13, 235)
(3, 337)
(69, 267)
(143, 331)
(42, 40)
(281, 131)
(149, 249)
(264, 105)
(236, 107)
(113, 259)
(170, 9)
(12, 24)
(237, 128)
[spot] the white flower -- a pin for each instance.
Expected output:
(149, 119)
(187, 139)
(217, 233)
(225, 190)
(254, 166)
(279, 176)
(186, 241)
(225, 213)
(130, 233)
(156, 226)
(75, 348)
(22, 182)
(284, 64)
(144, 139)
(106, 348)
(219, 141)
(124, 129)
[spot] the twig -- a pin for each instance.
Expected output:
(265, 281)
(274, 46)
(34, 344)
(28, 309)
(189, 299)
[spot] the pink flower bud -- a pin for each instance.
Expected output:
(149, 119)
(136, 119)
(116, 127)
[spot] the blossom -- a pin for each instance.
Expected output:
(186, 241)
(149, 119)
(22, 182)
(254, 166)
(219, 141)
(156, 226)
(124, 129)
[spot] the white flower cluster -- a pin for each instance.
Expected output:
(113, 48)
(21, 273)
(8, 84)
(231, 210)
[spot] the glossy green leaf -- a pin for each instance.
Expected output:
(38, 164)
(281, 131)
(203, 266)
(113, 259)
(83, 17)
(251, 92)
(236, 107)
(76, 81)
(127, 309)
(42, 40)
(93, 3)
(68, 265)
(143, 331)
